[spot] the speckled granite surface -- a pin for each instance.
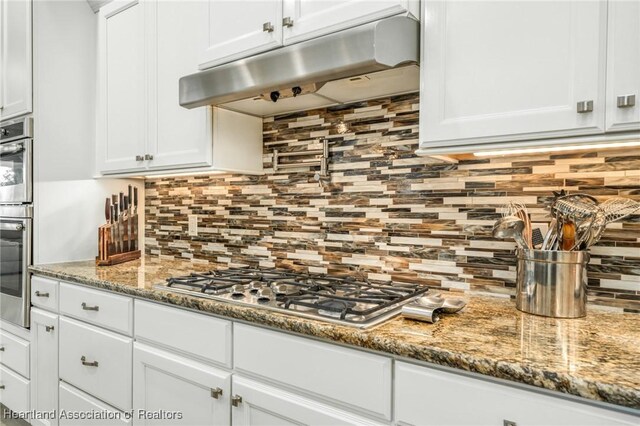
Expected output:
(597, 357)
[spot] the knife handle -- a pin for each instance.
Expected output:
(130, 194)
(115, 211)
(107, 210)
(125, 203)
(135, 198)
(121, 202)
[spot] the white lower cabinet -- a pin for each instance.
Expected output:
(96, 361)
(258, 404)
(426, 396)
(14, 390)
(44, 366)
(182, 391)
(80, 409)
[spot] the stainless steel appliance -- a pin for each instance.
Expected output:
(372, 60)
(16, 162)
(344, 301)
(16, 219)
(15, 258)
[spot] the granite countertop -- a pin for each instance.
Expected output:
(596, 357)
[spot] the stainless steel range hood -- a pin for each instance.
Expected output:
(351, 60)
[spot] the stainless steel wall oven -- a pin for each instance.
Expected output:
(16, 219)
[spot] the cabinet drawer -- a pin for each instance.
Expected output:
(97, 307)
(96, 361)
(14, 353)
(425, 396)
(294, 361)
(44, 293)
(15, 394)
(191, 333)
(74, 401)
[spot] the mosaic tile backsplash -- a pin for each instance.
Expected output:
(385, 213)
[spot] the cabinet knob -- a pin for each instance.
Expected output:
(267, 27)
(1, 387)
(509, 423)
(4, 132)
(626, 101)
(287, 22)
(84, 361)
(584, 106)
(48, 328)
(37, 293)
(216, 393)
(1, 348)
(148, 157)
(139, 158)
(236, 400)
(85, 307)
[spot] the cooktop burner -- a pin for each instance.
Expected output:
(339, 300)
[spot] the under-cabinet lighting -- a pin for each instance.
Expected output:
(536, 150)
(169, 175)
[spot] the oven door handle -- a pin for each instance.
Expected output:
(12, 227)
(12, 149)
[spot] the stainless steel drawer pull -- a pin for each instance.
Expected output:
(236, 400)
(37, 293)
(216, 393)
(584, 106)
(48, 328)
(87, 363)
(267, 27)
(287, 22)
(90, 308)
(626, 101)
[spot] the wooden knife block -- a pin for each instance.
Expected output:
(118, 242)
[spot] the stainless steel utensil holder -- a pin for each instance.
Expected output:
(552, 283)
(322, 160)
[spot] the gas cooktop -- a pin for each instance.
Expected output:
(345, 301)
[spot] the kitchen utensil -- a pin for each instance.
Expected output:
(552, 283)
(135, 218)
(126, 221)
(417, 312)
(510, 227)
(552, 235)
(568, 238)
(536, 238)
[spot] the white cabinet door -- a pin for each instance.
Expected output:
(257, 404)
(15, 59)
(425, 396)
(314, 18)
(196, 393)
(121, 117)
(623, 65)
(44, 363)
(241, 28)
(492, 72)
(76, 408)
(178, 137)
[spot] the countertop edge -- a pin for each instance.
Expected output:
(619, 396)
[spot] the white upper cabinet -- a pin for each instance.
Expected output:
(121, 111)
(145, 48)
(177, 136)
(238, 29)
(306, 19)
(15, 59)
(503, 71)
(623, 66)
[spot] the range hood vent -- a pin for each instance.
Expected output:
(361, 51)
